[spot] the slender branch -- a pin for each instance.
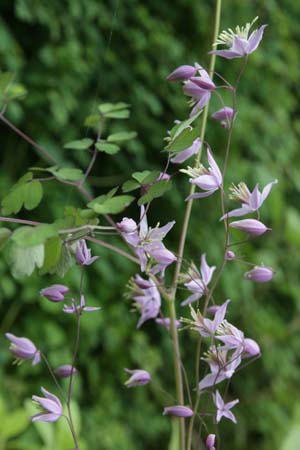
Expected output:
(22, 221)
(24, 136)
(113, 248)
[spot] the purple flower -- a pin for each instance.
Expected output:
(240, 43)
(166, 322)
(197, 282)
(182, 156)
(147, 242)
(65, 370)
(147, 298)
(251, 226)
(199, 88)
(52, 408)
(138, 378)
(260, 274)
(23, 348)
(210, 442)
(83, 254)
(79, 309)
(222, 366)
(55, 293)
(182, 73)
(178, 410)
(223, 409)
(251, 201)
(233, 339)
(207, 327)
(225, 115)
(210, 180)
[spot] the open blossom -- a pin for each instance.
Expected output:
(185, 154)
(23, 348)
(223, 409)
(55, 293)
(65, 370)
(147, 298)
(233, 339)
(207, 327)
(225, 115)
(138, 378)
(178, 411)
(240, 43)
(79, 309)
(197, 282)
(260, 274)
(147, 242)
(210, 180)
(251, 226)
(222, 366)
(83, 254)
(51, 405)
(251, 201)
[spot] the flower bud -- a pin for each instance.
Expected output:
(250, 226)
(250, 348)
(65, 371)
(83, 254)
(182, 73)
(260, 274)
(23, 348)
(230, 255)
(166, 322)
(178, 410)
(210, 442)
(127, 225)
(55, 293)
(138, 378)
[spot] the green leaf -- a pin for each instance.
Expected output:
(179, 127)
(183, 141)
(6, 78)
(102, 198)
(140, 176)
(33, 194)
(53, 248)
(67, 173)
(130, 185)
(21, 192)
(106, 108)
(122, 136)
(123, 114)
(32, 236)
(24, 260)
(4, 236)
(81, 144)
(92, 120)
(13, 423)
(110, 149)
(12, 203)
(113, 205)
(156, 190)
(65, 262)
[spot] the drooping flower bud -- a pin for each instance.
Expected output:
(224, 115)
(127, 225)
(138, 378)
(23, 348)
(182, 73)
(178, 410)
(260, 274)
(65, 371)
(251, 226)
(83, 254)
(210, 442)
(250, 348)
(55, 293)
(166, 322)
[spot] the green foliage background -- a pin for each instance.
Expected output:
(74, 54)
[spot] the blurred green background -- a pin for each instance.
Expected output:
(74, 54)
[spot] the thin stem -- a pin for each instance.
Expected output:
(24, 136)
(113, 248)
(53, 376)
(24, 222)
